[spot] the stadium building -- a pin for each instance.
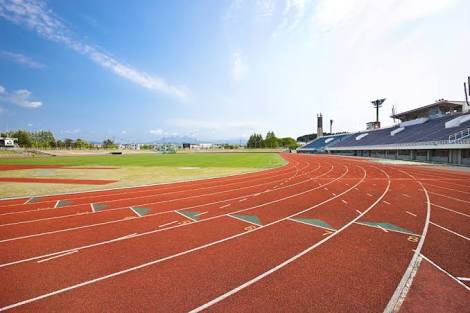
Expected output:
(438, 132)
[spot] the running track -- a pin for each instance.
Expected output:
(321, 234)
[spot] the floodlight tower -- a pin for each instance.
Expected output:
(331, 127)
(377, 104)
(467, 94)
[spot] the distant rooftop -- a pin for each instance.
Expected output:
(439, 107)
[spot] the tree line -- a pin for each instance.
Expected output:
(271, 141)
(45, 139)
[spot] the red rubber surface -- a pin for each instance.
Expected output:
(323, 234)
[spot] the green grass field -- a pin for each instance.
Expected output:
(232, 160)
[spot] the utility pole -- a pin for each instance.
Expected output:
(331, 127)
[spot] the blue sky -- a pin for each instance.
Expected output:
(143, 70)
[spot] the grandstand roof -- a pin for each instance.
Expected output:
(441, 106)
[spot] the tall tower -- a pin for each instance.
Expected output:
(319, 125)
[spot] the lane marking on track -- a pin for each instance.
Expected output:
(406, 195)
(449, 197)
(386, 202)
(288, 261)
(199, 214)
(135, 212)
(241, 200)
(166, 193)
(450, 231)
(325, 189)
(313, 225)
(59, 291)
(445, 272)
(92, 208)
(393, 304)
(224, 206)
(29, 200)
(56, 204)
(411, 213)
(166, 224)
(57, 256)
(463, 278)
(344, 201)
(451, 189)
(44, 219)
(243, 220)
(444, 208)
(195, 206)
(358, 211)
(386, 231)
(185, 216)
(369, 194)
(333, 194)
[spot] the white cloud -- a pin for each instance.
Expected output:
(124, 132)
(21, 97)
(238, 67)
(22, 59)
(37, 16)
(157, 132)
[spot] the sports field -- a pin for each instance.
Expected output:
(321, 234)
(40, 175)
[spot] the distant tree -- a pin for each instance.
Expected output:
(68, 143)
(255, 141)
(24, 138)
(109, 144)
(288, 142)
(60, 144)
(271, 140)
(81, 144)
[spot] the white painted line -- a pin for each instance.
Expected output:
(27, 201)
(369, 194)
(450, 231)
(241, 200)
(444, 208)
(135, 212)
(344, 201)
(406, 195)
(445, 272)
(463, 278)
(411, 213)
(334, 195)
(166, 224)
(192, 219)
(386, 202)
(92, 208)
(224, 206)
(56, 204)
(378, 226)
(358, 211)
(242, 220)
(407, 278)
(57, 256)
(195, 206)
(288, 261)
(449, 197)
(325, 189)
(44, 219)
(302, 222)
(199, 214)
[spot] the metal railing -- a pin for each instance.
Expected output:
(459, 136)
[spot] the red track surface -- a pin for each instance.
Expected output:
(322, 234)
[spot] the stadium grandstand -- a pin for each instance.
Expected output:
(438, 132)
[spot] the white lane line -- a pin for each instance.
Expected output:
(444, 208)
(199, 214)
(407, 278)
(59, 291)
(358, 211)
(411, 213)
(445, 272)
(237, 218)
(92, 208)
(312, 225)
(191, 207)
(188, 217)
(386, 202)
(386, 231)
(450, 231)
(288, 261)
(334, 195)
(449, 197)
(57, 256)
(135, 212)
(241, 200)
(406, 195)
(44, 219)
(369, 194)
(463, 278)
(224, 206)
(29, 200)
(166, 224)
(428, 184)
(344, 201)
(325, 189)
(56, 204)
